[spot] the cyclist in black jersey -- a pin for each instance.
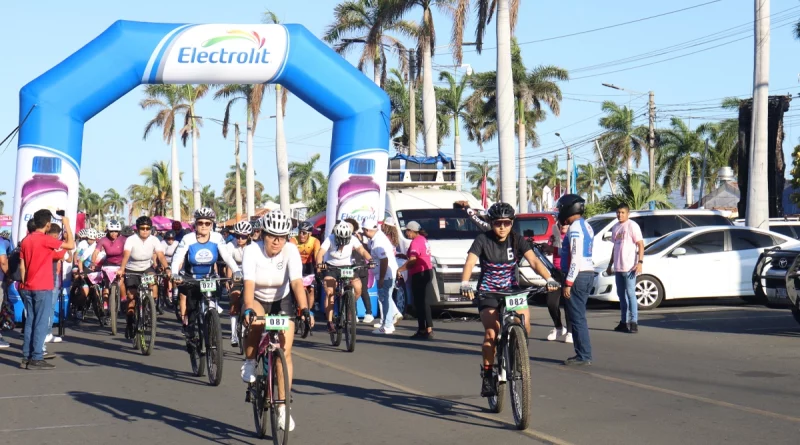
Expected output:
(499, 251)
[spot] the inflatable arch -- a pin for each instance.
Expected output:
(55, 106)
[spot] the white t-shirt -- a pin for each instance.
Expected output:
(169, 249)
(236, 252)
(339, 258)
(85, 250)
(272, 275)
(141, 252)
(380, 247)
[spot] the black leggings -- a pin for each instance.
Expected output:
(554, 303)
(422, 290)
(365, 295)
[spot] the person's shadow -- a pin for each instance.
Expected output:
(132, 410)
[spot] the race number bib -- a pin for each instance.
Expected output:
(346, 273)
(276, 323)
(208, 286)
(148, 279)
(517, 302)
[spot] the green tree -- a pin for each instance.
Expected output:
(113, 202)
(453, 102)
(229, 188)
(400, 118)
(305, 179)
(622, 140)
(319, 202)
(2, 204)
(681, 153)
(589, 181)
(634, 191)
(91, 204)
(795, 181)
(549, 174)
(153, 195)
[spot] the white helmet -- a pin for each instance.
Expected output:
(242, 228)
(92, 234)
(82, 233)
(205, 213)
(276, 223)
(343, 232)
(113, 226)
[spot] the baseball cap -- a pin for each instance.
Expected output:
(369, 224)
(413, 226)
(389, 221)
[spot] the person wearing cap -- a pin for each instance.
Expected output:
(382, 250)
(420, 270)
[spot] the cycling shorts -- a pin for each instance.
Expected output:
(132, 281)
(488, 302)
(284, 306)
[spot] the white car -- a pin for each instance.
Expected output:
(698, 262)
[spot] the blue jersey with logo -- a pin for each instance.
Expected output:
(197, 258)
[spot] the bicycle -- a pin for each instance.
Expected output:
(96, 296)
(164, 300)
(344, 296)
(264, 393)
(142, 328)
(240, 334)
(512, 362)
(204, 329)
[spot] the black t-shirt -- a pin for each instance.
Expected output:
(498, 260)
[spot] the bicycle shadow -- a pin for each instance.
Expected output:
(132, 410)
(439, 408)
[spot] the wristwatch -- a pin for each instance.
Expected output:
(641, 262)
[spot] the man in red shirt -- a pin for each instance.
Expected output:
(36, 290)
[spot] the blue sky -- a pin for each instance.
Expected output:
(37, 37)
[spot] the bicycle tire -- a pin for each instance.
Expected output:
(336, 337)
(113, 292)
(97, 302)
(213, 340)
(194, 345)
(258, 397)
(279, 436)
(350, 321)
(520, 377)
(147, 324)
(498, 402)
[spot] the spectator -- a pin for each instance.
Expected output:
(363, 274)
(626, 261)
(5, 249)
(382, 250)
(36, 290)
(420, 269)
(554, 301)
(389, 228)
(177, 228)
(59, 255)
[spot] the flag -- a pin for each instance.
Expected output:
(547, 198)
(574, 183)
(484, 194)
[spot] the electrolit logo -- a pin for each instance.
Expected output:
(255, 55)
(358, 213)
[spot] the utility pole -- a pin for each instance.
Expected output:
(600, 154)
(651, 140)
(569, 170)
(412, 114)
(757, 214)
(238, 173)
(703, 177)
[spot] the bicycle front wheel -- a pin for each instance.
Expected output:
(498, 401)
(350, 321)
(113, 306)
(519, 377)
(194, 345)
(213, 341)
(147, 325)
(279, 383)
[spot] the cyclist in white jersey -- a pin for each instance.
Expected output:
(241, 233)
(170, 245)
(273, 285)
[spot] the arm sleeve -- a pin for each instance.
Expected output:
(128, 244)
(249, 264)
(413, 248)
(225, 253)
(51, 242)
(180, 254)
(575, 241)
(477, 246)
(158, 246)
(476, 218)
(523, 246)
(378, 252)
(294, 264)
(326, 244)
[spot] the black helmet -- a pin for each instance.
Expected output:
(144, 221)
(305, 226)
(501, 210)
(170, 234)
(570, 205)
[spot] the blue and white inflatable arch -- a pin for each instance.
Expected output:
(55, 106)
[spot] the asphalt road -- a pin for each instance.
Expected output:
(697, 374)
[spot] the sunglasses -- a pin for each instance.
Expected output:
(502, 223)
(203, 223)
(275, 239)
(242, 236)
(145, 228)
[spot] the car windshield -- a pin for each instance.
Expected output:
(664, 242)
(530, 227)
(599, 224)
(441, 224)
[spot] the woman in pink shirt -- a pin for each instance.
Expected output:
(419, 269)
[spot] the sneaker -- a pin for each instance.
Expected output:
(575, 361)
(3, 343)
(52, 339)
(79, 315)
(159, 310)
(397, 317)
(39, 365)
(622, 327)
(24, 364)
(634, 329)
(383, 330)
(368, 318)
(568, 338)
(378, 323)
(416, 336)
(249, 371)
(553, 334)
(48, 356)
(234, 341)
(282, 418)
(487, 384)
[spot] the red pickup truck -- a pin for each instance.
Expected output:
(536, 227)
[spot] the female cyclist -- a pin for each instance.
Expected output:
(241, 239)
(112, 247)
(308, 247)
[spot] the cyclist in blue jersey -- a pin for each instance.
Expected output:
(499, 252)
(197, 254)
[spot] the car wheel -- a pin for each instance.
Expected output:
(649, 292)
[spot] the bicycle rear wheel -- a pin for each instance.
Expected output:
(113, 306)
(519, 378)
(147, 324)
(350, 320)
(97, 301)
(213, 340)
(259, 397)
(279, 381)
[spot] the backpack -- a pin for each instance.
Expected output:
(14, 273)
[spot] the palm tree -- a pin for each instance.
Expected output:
(392, 11)
(634, 191)
(169, 102)
(549, 174)
(622, 140)
(589, 181)
(305, 179)
(153, 194)
(480, 122)
(478, 171)
(113, 202)
(359, 22)
(452, 100)
(192, 94)
(91, 204)
(400, 119)
(2, 204)
(208, 198)
(229, 188)
(252, 95)
(680, 153)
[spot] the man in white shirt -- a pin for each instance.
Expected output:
(382, 250)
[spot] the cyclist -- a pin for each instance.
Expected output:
(308, 247)
(256, 235)
(197, 254)
(343, 243)
(111, 247)
(82, 260)
(169, 244)
(241, 239)
(273, 285)
(499, 251)
(139, 253)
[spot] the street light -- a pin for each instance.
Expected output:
(569, 164)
